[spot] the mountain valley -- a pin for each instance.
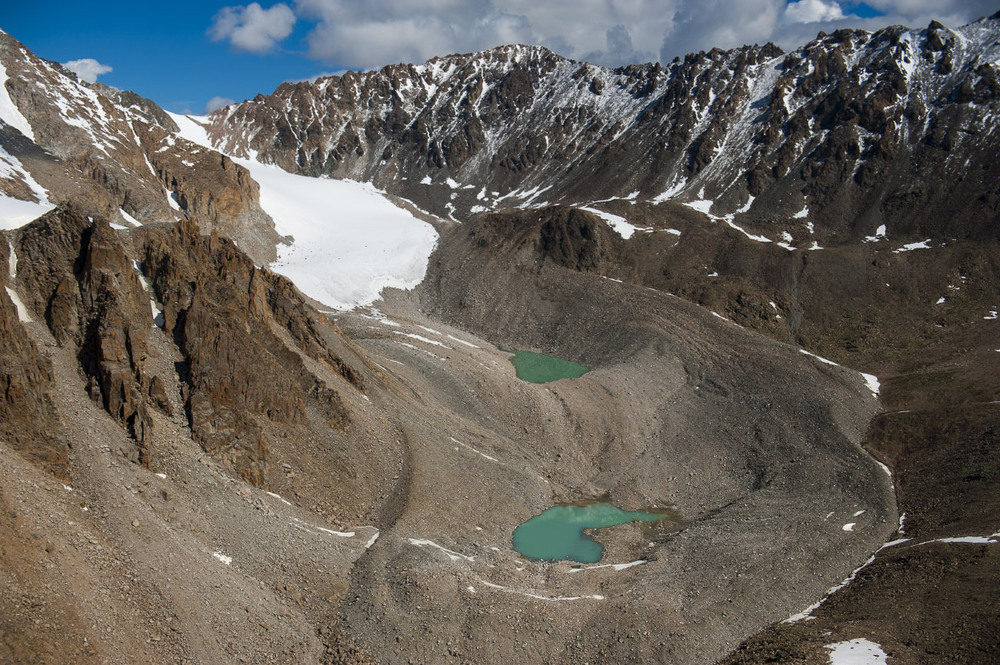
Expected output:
(210, 451)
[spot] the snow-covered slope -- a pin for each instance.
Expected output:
(344, 241)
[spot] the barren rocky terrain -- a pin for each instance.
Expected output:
(200, 464)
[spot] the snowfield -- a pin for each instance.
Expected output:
(347, 240)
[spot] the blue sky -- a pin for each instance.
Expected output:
(186, 55)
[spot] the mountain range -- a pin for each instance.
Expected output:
(217, 446)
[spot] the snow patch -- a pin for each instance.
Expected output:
(618, 223)
(454, 556)
(701, 205)
(222, 557)
(468, 447)
(849, 526)
(913, 246)
(462, 341)
(129, 218)
(9, 112)
(15, 213)
(279, 498)
(616, 566)
(879, 235)
(11, 260)
(856, 652)
(538, 596)
(22, 311)
(348, 241)
(422, 339)
(872, 382)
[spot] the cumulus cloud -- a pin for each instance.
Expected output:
(216, 103)
(369, 34)
(813, 11)
(253, 28)
(87, 69)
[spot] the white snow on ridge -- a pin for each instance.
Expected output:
(15, 213)
(618, 223)
(349, 241)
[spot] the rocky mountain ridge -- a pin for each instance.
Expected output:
(856, 129)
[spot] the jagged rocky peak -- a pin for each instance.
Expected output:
(113, 154)
(838, 129)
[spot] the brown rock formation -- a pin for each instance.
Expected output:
(27, 419)
(79, 279)
(225, 316)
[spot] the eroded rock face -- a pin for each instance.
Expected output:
(225, 315)
(77, 276)
(27, 419)
(110, 152)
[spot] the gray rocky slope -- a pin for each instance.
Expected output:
(228, 470)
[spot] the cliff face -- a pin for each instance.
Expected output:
(27, 418)
(76, 276)
(220, 311)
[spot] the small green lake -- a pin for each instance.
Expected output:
(540, 368)
(558, 533)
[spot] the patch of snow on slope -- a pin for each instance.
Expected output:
(15, 213)
(192, 129)
(9, 113)
(349, 242)
(913, 245)
(879, 235)
(856, 652)
(11, 167)
(701, 205)
(22, 311)
(618, 223)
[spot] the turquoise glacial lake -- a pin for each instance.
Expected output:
(558, 533)
(540, 368)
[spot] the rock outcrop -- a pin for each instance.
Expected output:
(27, 418)
(77, 277)
(115, 155)
(225, 316)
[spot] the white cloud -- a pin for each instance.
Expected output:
(216, 103)
(87, 69)
(253, 28)
(371, 33)
(813, 11)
